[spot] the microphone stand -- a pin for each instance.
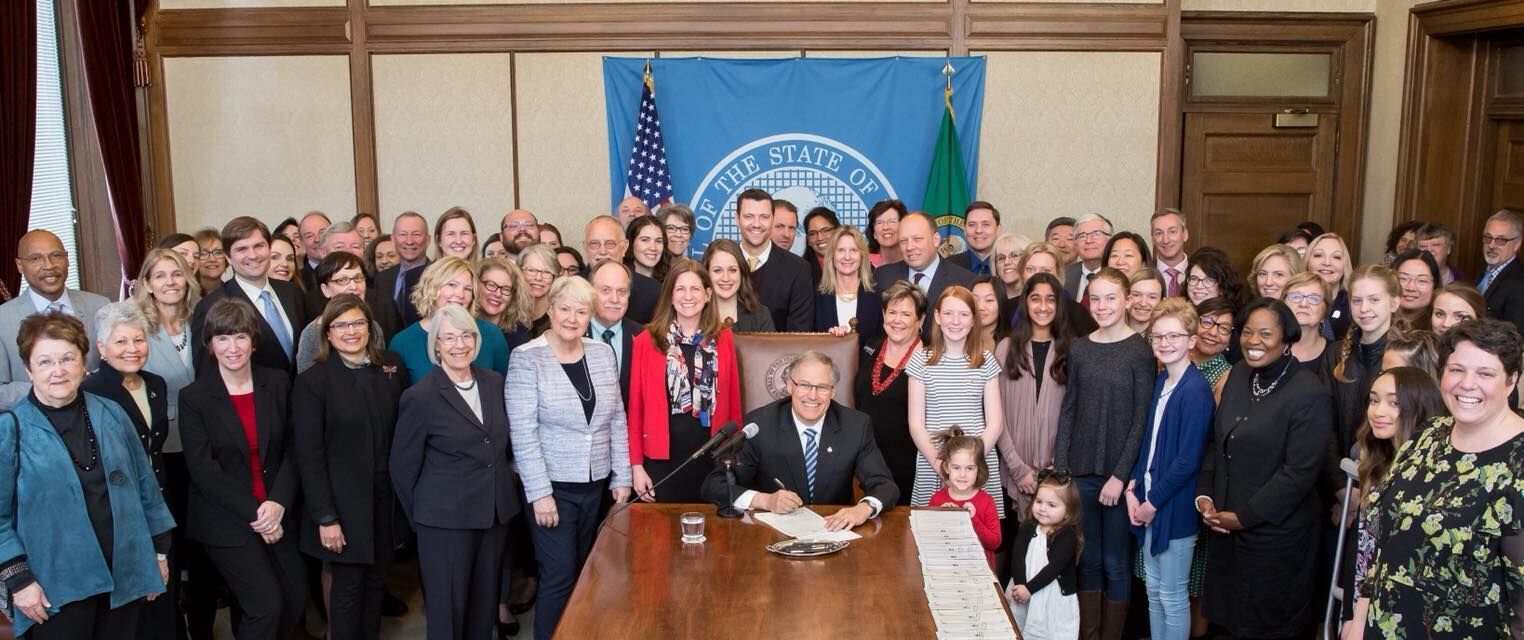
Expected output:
(729, 511)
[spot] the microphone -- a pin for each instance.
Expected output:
(725, 432)
(730, 445)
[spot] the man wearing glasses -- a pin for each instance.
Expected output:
(519, 229)
(1502, 284)
(808, 450)
(44, 267)
(1091, 231)
(603, 239)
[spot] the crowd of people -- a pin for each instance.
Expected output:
(271, 415)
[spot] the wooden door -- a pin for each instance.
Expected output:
(1508, 172)
(1244, 181)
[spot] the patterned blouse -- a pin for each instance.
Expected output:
(1449, 551)
(1214, 369)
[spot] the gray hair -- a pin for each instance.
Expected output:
(457, 317)
(116, 314)
(675, 208)
(1094, 216)
(573, 289)
(336, 228)
(1507, 215)
(817, 357)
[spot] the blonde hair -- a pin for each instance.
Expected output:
(1293, 259)
(1036, 248)
(516, 314)
(1388, 280)
(546, 255)
(1179, 309)
(458, 318)
(828, 262)
(143, 297)
(434, 276)
(1349, 267)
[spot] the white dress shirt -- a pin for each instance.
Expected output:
(761, 258)
(259, 306)
(743, 501)
(930, 272)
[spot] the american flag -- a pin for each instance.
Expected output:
(647, 176)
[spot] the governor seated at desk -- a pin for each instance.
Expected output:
(811, 446)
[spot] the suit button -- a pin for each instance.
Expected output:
(486, 440)
(489, 465)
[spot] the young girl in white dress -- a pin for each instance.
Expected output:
(1043, 590)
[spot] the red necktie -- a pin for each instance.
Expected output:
(1174, 281)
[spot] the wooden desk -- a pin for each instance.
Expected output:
(641, 581)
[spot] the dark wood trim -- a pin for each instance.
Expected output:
(1454, 17)
(994, 26)
(1171, 118)
(232, 32)
(362, 114)
(96, 259)
(513, 123)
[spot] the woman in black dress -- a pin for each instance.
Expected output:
(1257, 489)
(880, 388)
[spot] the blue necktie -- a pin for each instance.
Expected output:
(809, 460)
(272, 316)
(1487, 279)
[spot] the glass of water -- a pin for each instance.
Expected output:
(693, 527)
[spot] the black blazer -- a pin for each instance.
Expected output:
(783, 286)
(106, 382)
(870, 314)
(309, 278)
(450, 470)
(1063, 556)
(267, 350)
(342, 426)
(1505, 296)
(628, 329)
(846, 449)
(402, 304)
(948, 274)
(221, 503)
(645, 292)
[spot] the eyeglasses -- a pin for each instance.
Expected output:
(813, 388)
(1223, 328)
(493, 287)
(1201, 281)
(214, 253)
(1002, 257)
(346, 326)
(346, 280)
(519, 225)
(1157, 338)
(1098, 234)
(48, 364)
(678, 229)
(1309, 298)
(594, 245)
(1488, 239)
(44, 258)
(458, 338)
(819, 233)
(1419, 281)
(533, 272)
(569, 270)
(1060, 477)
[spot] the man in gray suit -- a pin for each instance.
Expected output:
(44, 266)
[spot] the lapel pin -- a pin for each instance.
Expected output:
(828, 450)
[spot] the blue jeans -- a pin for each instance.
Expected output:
(1106, 560)
(1166, 576)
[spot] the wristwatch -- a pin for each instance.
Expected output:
(161, 557)
(1197, 502)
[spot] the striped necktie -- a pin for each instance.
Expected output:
(810, 451)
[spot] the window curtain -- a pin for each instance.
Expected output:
(108, 43)
(18, 110)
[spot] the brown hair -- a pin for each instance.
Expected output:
(338, 306)
(973, 346)
(661, 320)
(1467, 294)
(230, 317)
(1113, 274)
(746, 295)
(1418, 399)
(1388, 278)
(1068, 493)
(57, 325)
(1419, 348)
(240, 228)
(451, 214)
(903, 289)
(951, 440)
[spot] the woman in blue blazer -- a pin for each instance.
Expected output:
(83, 528)
(451, 471)
(1160, 495)
(846, 300)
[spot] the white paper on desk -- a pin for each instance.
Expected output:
(804, 524)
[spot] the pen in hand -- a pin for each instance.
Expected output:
(780, 484)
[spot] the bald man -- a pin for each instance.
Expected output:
(603, 239)
(44, 267)
(519, 229)
(922, 266)
(629, 209)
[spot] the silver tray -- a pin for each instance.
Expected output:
(805, 548)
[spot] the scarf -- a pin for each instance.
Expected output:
(690, 389)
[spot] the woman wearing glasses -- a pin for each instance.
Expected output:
(1212, 276)
(339, 273)
(1307, 295)
(820, 225)
(540, 267)
(504, 299)
(211, 261)
(447, 281)
(1418, 275)
(1257, 491)
(677, 220)
(1212, 335)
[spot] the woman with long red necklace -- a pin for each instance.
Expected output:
(880, 389)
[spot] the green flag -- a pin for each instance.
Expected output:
(947, 185)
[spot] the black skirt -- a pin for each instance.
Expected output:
(686, 435)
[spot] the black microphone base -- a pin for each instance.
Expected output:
(729, 512)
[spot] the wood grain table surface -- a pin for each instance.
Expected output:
(642, 581)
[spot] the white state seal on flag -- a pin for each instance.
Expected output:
(806, 169)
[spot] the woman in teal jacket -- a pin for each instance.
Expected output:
(83, 528)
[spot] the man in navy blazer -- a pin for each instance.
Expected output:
(922, 265)
(278, 305)
(410, 234)
(772, 468)
(981, 225)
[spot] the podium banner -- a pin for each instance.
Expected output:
(842, 133)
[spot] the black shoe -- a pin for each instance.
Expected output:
(508, 629)
(521, 608)
(392, 606)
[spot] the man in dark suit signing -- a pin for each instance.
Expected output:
(807, 451)
(611, 280)
(781, 279)
(922, 265)
(278, 304)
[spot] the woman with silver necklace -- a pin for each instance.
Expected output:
(570, 441)
(1258, 482)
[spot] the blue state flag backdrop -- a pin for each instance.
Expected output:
(842, 133)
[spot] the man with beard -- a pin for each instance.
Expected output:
(519, 229)
(44, 266)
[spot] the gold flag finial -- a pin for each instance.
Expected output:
(947, 72)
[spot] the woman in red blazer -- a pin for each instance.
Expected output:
(683, 386)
